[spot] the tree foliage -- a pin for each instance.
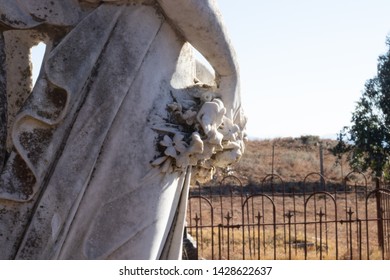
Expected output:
(367, 139)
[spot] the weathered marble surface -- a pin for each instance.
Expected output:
(97, 158)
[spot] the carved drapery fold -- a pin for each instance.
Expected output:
(3, 104)
(55, 99)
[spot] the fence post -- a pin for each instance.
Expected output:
(273, 160)
(379, 213)
(322, 167)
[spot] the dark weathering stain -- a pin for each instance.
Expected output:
(24, 179)
(7, 21)
(36, 142)
(56, 98)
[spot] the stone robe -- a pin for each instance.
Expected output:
(77, 181)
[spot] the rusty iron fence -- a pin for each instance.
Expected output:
(277, 220)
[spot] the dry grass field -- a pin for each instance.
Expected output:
(340, 226)
(290, 158)
(289, 236)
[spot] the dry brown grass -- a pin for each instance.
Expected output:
(293, 159)
(259, 240)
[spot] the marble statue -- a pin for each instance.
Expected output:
(96, 159)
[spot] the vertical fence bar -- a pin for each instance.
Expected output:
(387, 222)
(349, 223)
(284, 217)
(321, 215)
(219, 242)
(367, 227)
(243, 229)
(228, 218)
(289, 216)
(197, 235)
(221, 210)
(357, 210)
(359, 224)
(200, 220)
(379, 213)
(295, 220)
(305, 231)
(249, 231)
(258, 235)
(346, 212)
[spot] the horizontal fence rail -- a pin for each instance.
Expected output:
(312, 221)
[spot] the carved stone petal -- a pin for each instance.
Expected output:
(167, 166)
(159, 161)
(166, 142)
(171, 151)
(179, 144)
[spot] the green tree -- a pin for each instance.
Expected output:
(368, 137)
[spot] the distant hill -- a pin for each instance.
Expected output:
(293, 159)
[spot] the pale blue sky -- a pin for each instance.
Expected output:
(304, 63)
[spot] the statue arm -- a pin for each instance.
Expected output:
(200, 22)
